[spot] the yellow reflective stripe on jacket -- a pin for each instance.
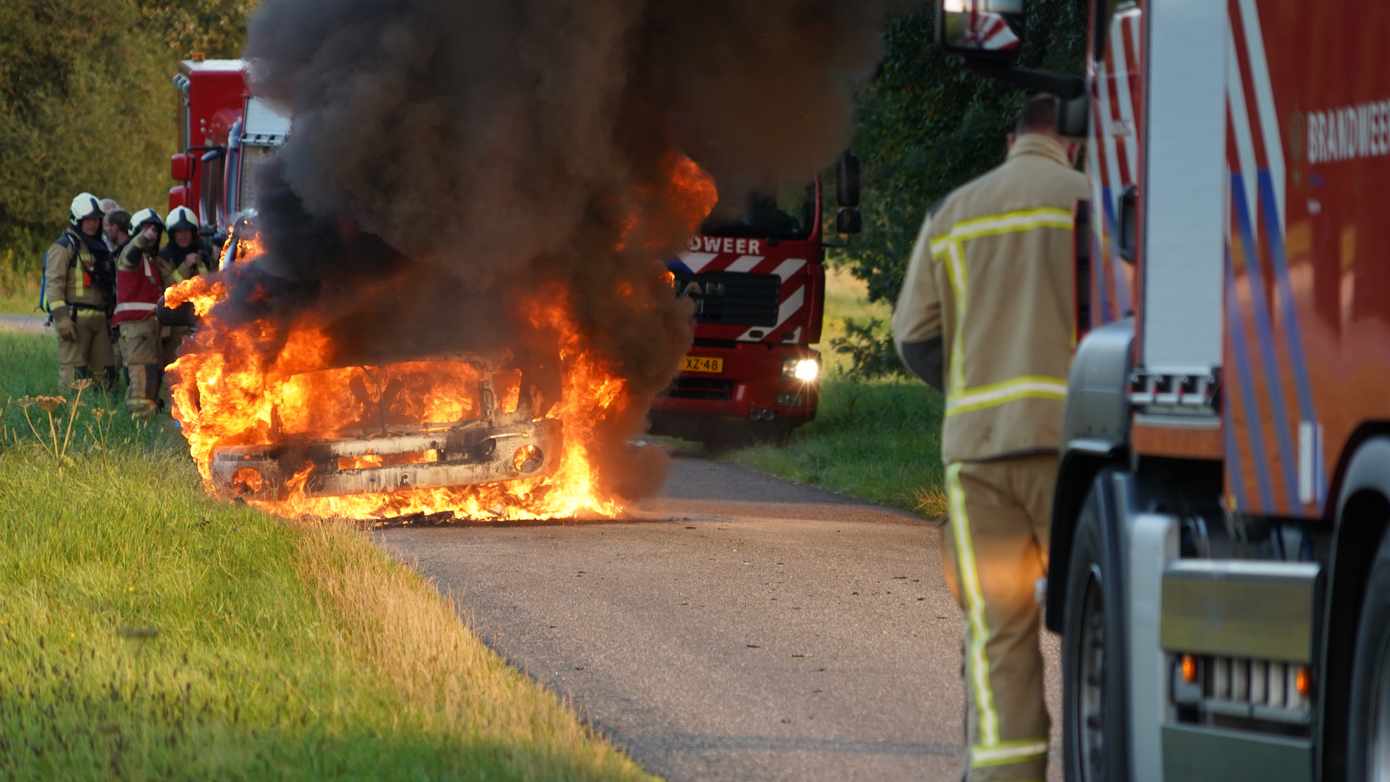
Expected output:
(959, 276)
(75, 276)
(950, 250)
(1004, 223)
(1006, 753)
(978, 659)
(1026, 387)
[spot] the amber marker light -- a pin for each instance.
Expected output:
(1303, 680)
(1189, 668)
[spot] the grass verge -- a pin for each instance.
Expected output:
(149, 631)
(880, 441)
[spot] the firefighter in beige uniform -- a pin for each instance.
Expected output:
(78, 288)
(139, 286)
(986, 314)
(184, 257)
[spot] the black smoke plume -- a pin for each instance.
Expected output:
(451, 159)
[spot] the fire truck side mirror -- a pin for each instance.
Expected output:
(981, 30)
(847, 180)
(848, 221)
(181, 167)
(1129, 223)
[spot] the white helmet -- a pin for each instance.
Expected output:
(83, 206)
(182, 218)
(144, 217)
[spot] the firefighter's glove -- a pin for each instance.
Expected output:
(65, 325)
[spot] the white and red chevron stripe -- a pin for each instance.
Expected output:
(993, 33)
(1113, 159)
(795, 280)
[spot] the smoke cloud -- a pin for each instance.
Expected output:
(452, 159)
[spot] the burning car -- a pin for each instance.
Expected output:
(437, 423)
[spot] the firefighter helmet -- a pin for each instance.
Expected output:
(83, 206)
(181, 219)
(144, 217)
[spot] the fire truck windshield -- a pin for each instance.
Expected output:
(790, 213)
(253, 158)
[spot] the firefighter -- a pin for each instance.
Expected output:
(115, 229)
(139, 284)
(185, 256)
(115, 226)
(986, 315)
(79, 286)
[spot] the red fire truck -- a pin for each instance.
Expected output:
(757, 277)
(224, 134)
(1219, 567)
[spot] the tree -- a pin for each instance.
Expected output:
(215, 29)
(84, 105)
(926, 126)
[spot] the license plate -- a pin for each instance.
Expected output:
(703, 364)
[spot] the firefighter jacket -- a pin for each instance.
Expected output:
(139, 281)
(991, 283)
(171, 258)
(78, 273)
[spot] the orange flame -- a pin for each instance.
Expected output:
(254, 384)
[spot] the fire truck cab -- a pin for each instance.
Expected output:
(225, 134)
(1219, 567)
(756, 273)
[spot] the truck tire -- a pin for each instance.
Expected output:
(1368, 729)
(1095, 703)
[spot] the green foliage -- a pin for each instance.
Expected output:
(86, 104)
(19, 286)
(214, 28)
(867, 348)
(927, 125)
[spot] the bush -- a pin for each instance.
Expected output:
(926, 126)
(869, 348)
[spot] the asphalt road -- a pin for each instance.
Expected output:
(739, 627)
(28, 323)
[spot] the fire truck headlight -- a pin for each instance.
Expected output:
(807, 370)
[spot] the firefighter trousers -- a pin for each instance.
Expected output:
(996, 551)
(88, 354)
(140, 344)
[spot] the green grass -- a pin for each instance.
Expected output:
(149, 631)
(880, 440)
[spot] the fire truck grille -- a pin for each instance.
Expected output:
(701, 388)
(735, 298)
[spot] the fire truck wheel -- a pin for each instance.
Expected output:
(1094, 703)
(1368, 730)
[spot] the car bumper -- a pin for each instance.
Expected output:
(466, 455)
